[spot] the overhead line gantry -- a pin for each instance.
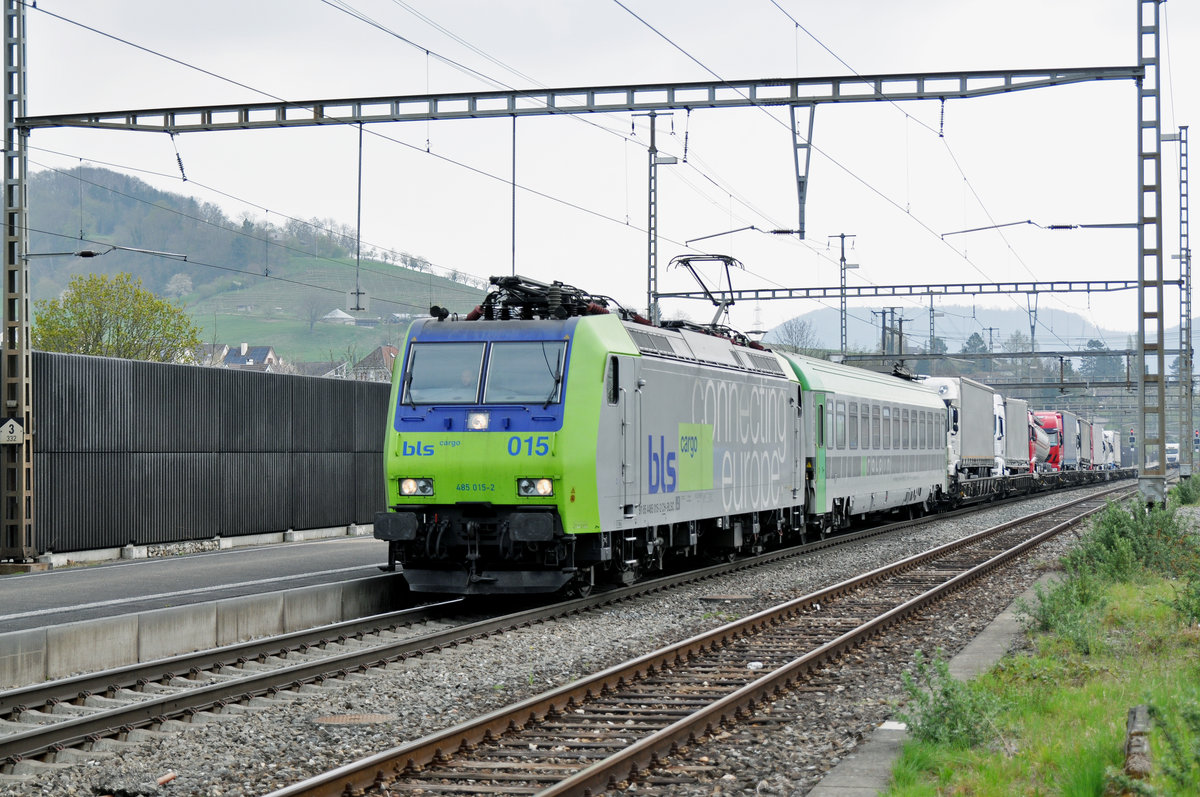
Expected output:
(797, 94)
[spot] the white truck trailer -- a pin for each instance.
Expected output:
(971, 419)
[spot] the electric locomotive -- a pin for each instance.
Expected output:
(532, 446)
(551, 439)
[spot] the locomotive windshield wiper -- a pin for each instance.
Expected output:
(557, 379)
(412, 361)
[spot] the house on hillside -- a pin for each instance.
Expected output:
(377, 366)
(337, 316)
(252, 358)
(328, 369)
(210, 355)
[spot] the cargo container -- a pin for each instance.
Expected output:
(1016, 436)
(971, 420)
(1085, 443)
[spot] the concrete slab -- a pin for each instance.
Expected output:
(23, 658)
(311, 607)
(91, 645)
(179, 629)
(373, 596)
(867, 771)
(249, 617)
(59, 651)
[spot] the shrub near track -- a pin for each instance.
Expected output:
(1121, 627)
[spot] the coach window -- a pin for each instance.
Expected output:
(829, 443)
(840, 424)
(896, 427)
(820, 425)
(852, 427)
(887, 427)
(904, 428)
(920, 420)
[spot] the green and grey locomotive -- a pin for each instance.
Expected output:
(551, 440)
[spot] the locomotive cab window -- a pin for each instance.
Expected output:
(525, 372)
(443, 373)
(518, 372)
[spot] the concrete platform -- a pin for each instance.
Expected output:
(867, 771)
(116, 612)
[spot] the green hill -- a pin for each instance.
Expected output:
(243, 281)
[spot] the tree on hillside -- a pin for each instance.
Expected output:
(314, 309)
(1102, 366)
(114, 316)
(799, 336)
(974, 345)
(179, 285)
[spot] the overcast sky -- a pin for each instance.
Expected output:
(895, 176)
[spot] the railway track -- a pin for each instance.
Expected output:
(39, 722)
(636, 722)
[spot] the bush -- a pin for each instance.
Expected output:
(1128, 538)
(1066, 609)
(1186, 602)
(1181, 761)
(945, 711)
(1186, 492)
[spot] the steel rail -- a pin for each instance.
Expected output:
(645, 753)
(439, 746)
(87, 684)
(73, 732)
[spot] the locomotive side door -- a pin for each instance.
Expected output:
(629, 395)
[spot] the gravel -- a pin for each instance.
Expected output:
(277, 742)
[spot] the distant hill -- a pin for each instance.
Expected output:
(243, 280)
(1057, 329)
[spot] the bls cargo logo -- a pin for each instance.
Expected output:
(408, 449)
(660, 470)
(686, 468)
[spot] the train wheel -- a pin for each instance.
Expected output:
(581, 586)
(578, 590)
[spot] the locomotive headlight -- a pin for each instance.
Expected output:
(416, 487)
(535, 488)
(477, 421)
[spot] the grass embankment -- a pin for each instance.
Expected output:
(1122, 628)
